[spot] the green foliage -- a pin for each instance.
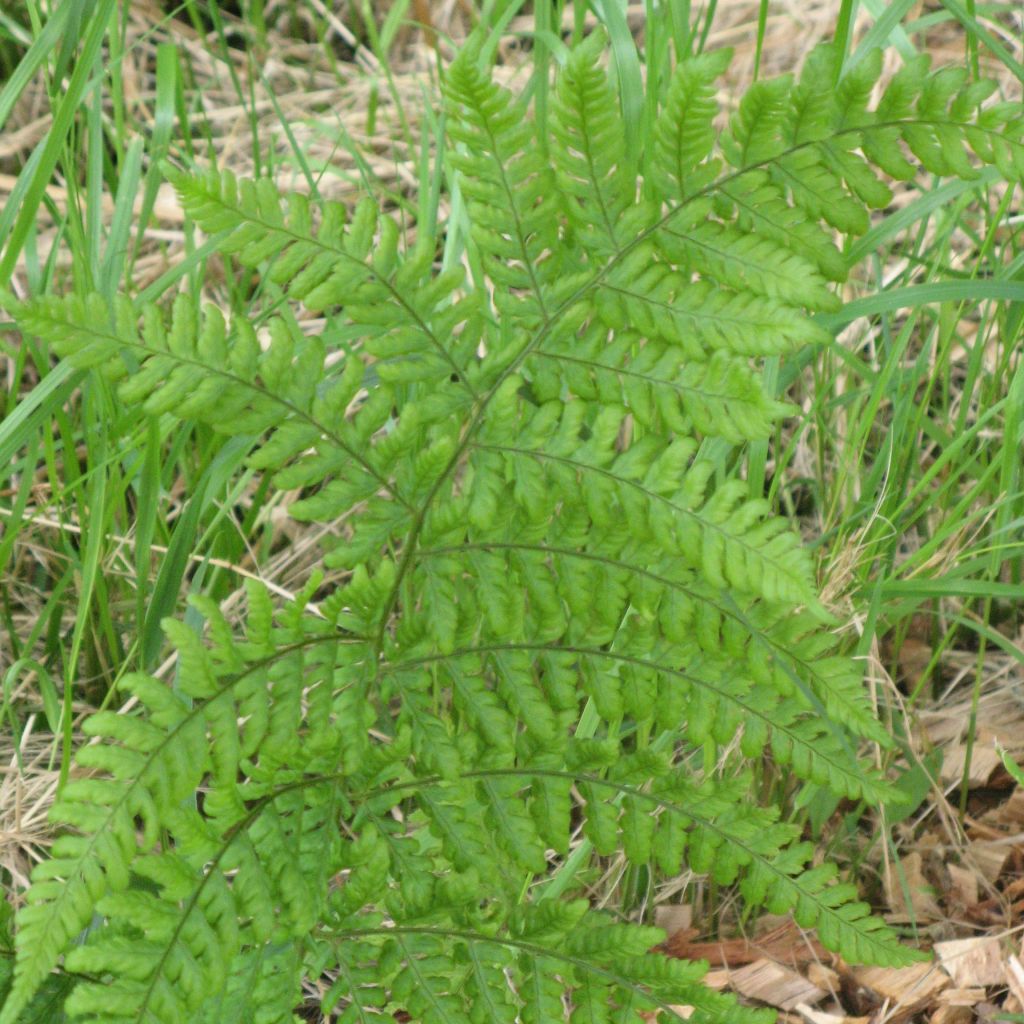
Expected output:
(534, 530)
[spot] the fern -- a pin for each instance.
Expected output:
(534, 531)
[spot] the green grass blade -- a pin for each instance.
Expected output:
(86, 66)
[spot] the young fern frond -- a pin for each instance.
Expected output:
(534, 536)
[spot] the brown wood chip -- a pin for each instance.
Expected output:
(989, 857)
(908, 989)
(778, 986)
(961, 996)
(1014, 973)
(910, 884)
(963, 885)
(813, 1016)
(952, 1015)
(984, 764)
(787, 944)
(968, 962)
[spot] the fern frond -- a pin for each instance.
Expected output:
(262, 988)
(518, 974)
(588, 147)
(551, 602)
(147, 778)
(509, 184)
(728, 539)
(684, 133)
(721, 397)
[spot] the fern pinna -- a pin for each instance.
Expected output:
(559, 608)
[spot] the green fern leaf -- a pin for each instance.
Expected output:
(555, 597)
